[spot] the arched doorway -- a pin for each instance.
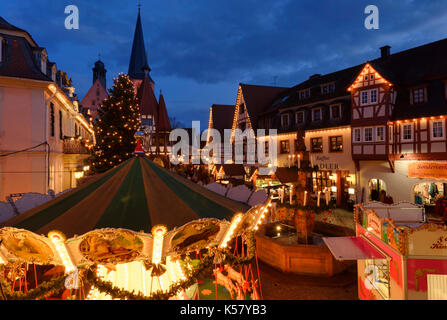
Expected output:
(376, 187)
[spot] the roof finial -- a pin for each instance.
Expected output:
(139, 6)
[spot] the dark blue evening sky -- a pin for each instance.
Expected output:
(200, 50)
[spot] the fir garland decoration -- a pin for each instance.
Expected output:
(191, 276)
(43, 290)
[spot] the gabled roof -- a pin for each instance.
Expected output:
(163, 123)
(258, 99)
(222, 117)
(19, 61)
(287, 175)
(147, 100)
(138, 58)
(410, 67)
(233, 170)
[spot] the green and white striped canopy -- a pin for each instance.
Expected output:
(136, 195)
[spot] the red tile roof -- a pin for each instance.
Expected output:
(163, 123)
(147, 100)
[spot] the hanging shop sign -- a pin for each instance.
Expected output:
(425, 170)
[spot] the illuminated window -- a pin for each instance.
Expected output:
(357, 135)
(368, 135)
(380, 134)
(285, 146)
(418, 95)
(336, 144)
(317, 145)
(407, 132)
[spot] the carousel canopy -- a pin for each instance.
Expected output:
(136, 195)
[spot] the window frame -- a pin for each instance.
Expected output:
(403, 139)
(331, 150)
(1, 48)
(313, 114)
(281, 148)
(283, 116)
(377, 134)
(296, 117)
(432, 136)
(413, 91)
(312, 145)
(305, 92)
(369, 96)
(339, 111)
(359, 130)
(372, 134)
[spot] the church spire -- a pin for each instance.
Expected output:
(138, 66)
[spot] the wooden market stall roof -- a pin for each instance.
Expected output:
(136, 195)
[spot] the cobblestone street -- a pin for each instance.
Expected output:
(280, 286)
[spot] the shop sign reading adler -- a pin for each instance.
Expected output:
(423, 170)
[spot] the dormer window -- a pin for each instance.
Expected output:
(327, 88)
(304, 94)
(299, 117)
(285, 120)
(335, 111)
(2, 45)
(317, 115)
(418, 95)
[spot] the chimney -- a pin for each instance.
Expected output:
(385, 52)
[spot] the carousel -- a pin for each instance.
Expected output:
(136, 232)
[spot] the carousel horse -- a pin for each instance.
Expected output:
(236, 276)
(224, 281)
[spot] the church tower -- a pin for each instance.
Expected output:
(154, 115)
(99, 73)
(138, 65)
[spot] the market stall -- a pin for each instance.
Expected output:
(399, 255)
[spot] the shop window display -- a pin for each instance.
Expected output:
(427, 193)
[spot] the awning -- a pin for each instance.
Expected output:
(352, 248)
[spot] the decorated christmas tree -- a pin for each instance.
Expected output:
(119, 119)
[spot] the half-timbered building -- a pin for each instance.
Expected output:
(399, 105)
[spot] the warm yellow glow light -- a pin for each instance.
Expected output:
(58, 239)
(230, 232)
(158, 232)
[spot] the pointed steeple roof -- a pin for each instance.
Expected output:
(138, 64)
(147, 99)
(163, 123)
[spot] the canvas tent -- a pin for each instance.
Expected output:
(136, 195)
